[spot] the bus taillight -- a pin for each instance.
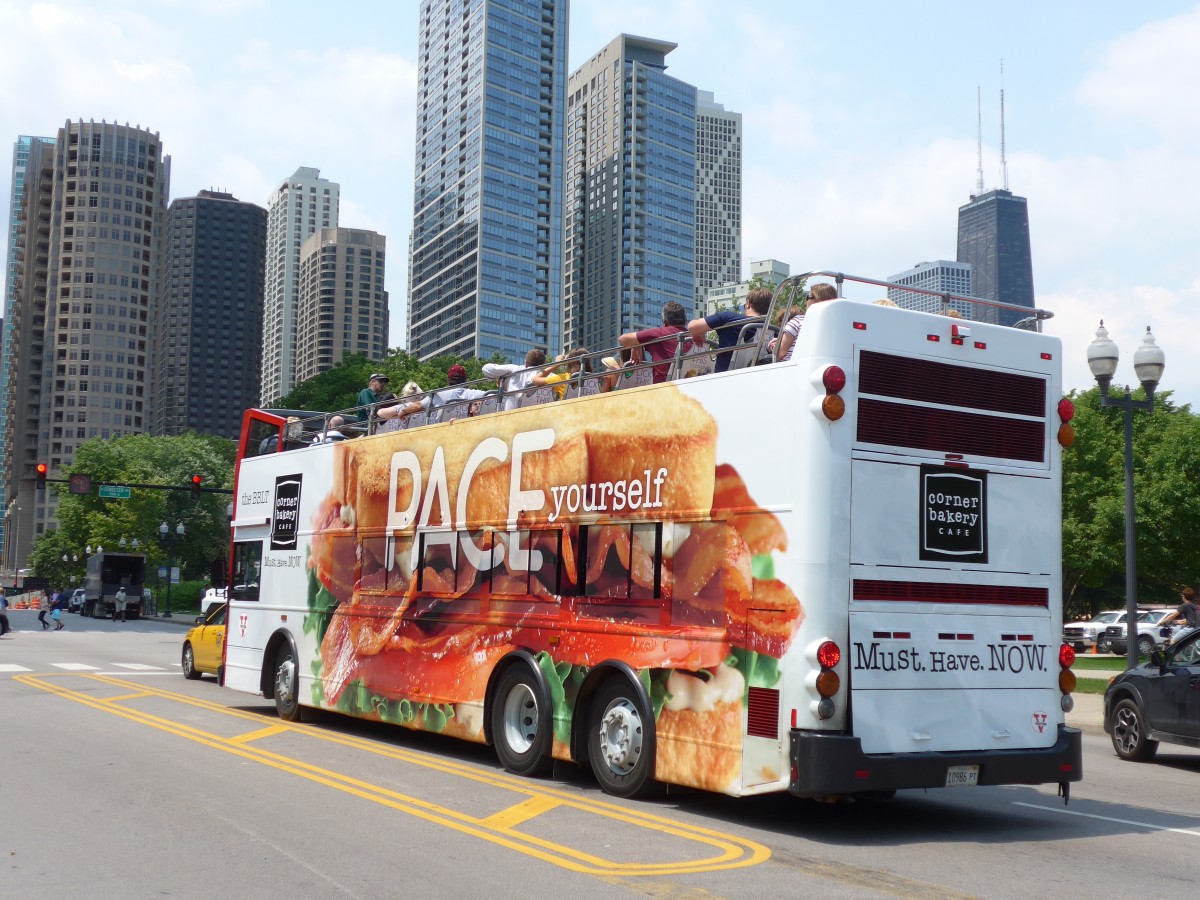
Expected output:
(827, 682)
(1066, 678)
(1066, 410)
(829, 654)
(833, 379)
(1066, 656)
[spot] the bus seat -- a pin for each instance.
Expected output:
(490, 404)
(537, 396)
(582, 386)
(631, 378)
(691, 359)
(743, 354)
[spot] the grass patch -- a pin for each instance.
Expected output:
(1091, 685)
(1102, 663)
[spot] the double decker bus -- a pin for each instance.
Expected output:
(834, 575)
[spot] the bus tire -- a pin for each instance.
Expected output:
(287, 684)
(189, 663)
(522, 723)
(620, 740)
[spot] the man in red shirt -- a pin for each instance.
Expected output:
(656, 342)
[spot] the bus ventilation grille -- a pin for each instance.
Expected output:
(762, 714)
(946, 384)
(950, 431)
(936, 592)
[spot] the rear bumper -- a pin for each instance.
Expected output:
(825, 763)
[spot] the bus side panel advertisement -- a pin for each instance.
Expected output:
(578, 532)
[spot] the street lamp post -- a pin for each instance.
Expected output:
(1148, 363)
(167, 534)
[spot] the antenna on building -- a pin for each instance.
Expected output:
(978, 142)
(1003, 159)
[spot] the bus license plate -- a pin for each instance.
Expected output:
(962, 776)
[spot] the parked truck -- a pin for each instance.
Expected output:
(107, 573)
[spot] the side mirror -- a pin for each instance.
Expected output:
(199, 620)
(1158, 658)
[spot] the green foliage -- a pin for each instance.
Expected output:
(143, 459)
(1166, 448)
(338, 388)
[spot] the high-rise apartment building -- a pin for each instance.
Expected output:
(485, 251)
(718, 196)
(297, 208)
(630, 199)
(940, 275)
(208, 318)
(16, 248)
(993, 237)
(80, 355)
(342, 308)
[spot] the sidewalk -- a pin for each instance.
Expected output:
(1088, 713)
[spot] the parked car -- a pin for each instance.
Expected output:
(1084, 635)
(202, 645)
(75, 603)
(1147, 633)
(1157, 701)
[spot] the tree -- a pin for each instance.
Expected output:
(1167, 509)
(338, 388)
(143, 459)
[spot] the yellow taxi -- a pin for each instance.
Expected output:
(203, 644)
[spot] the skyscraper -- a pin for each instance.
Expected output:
(208, 318)
(993, 237)
(16, 247)
(80, 327)
(299, 206)
(718, 196)
(631, 192)
(485, 250)
(342, 308)
(940, 275)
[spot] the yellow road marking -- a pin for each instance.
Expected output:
(261, 733)
(120, 697)
(732, 852)
(522, 812)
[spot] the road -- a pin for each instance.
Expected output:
(119, 778)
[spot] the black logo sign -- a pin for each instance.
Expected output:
(953, 515)
(285, 525)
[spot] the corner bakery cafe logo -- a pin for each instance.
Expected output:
(286, 521)
(953, 515)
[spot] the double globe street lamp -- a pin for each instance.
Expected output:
(1148, 364)
(168, 536)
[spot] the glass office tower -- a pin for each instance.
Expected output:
(486, 244)
(993, 237)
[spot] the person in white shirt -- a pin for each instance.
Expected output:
(456, 376)
(331, 434)
(514, 379)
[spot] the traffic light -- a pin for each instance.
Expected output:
(197, 480)
(42, 471)
(79, 483)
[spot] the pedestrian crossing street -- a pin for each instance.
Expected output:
(14, 668)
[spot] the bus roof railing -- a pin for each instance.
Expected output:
(313, 423)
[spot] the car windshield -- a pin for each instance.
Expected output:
(1152, 617)
(1107, 617)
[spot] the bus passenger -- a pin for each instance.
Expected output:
(656, 343)
(558, 379)
(612, 370)
(728, 324)
(456, 376)
(514, 378)
(375, 392)
(332, 433)
(786, 341)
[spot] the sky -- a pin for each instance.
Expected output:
(859, 126)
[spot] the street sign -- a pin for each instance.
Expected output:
(114, 492)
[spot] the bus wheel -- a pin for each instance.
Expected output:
(621, 740)
(521, 723)
(287, 687)
(189, 663)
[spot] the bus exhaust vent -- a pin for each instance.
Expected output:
(945, 408)
(762, 713)
(936, 592)
(950, 431)
(927, 381)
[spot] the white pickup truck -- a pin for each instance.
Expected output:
(1148, 636)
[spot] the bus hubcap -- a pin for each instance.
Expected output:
(621, 737)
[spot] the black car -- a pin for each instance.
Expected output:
(1157, 701)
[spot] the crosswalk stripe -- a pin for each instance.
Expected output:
(13, 667)
(76, 667)
(138, 667)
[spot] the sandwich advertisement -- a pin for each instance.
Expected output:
(576, 532)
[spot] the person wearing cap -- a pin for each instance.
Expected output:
(454, 391)
(375, 392)
(514, 378)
